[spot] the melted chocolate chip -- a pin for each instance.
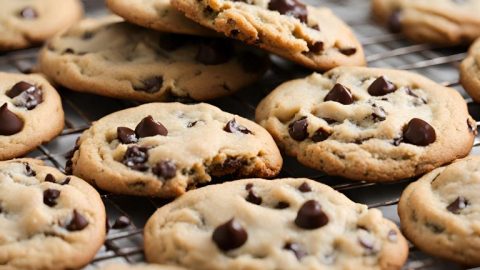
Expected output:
(126, 135)
(457, 205)
(311, 216)
(215, 52)
(282, 205)
(29, 171)
(293, 8)
(320, 135)
(121, 222)
(149, 127)
(348, 51)
(297, 249)
(50, 178)
(378, 113)
(305, 187)
(340, 94)
(230, 235)
(419, 132)
(253, 198)
(316, 47)
(381, 86)
(298, 129)
(26, 95)
(395, 21)
(10, 123)
(150, 85)
(165, 169)
(233, 127)
(28, 13)
(136, 158)
(50, 197)
(77, 223)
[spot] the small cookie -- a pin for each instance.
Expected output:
(47, 220)
(440, 212)
(30, 113)
(121, 60)
(470, 71)
(272, 224)
(165, 149)
(29, 22)
(369, 124)
(311, 36)
(158, 15)
(446, 22)
(140, 267)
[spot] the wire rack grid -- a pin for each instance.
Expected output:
(383, 49)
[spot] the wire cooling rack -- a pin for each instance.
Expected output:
(383, 49)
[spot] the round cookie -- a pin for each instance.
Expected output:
(311, 36)
(447, 22)
(470, 71)
(440, 212)
(30, 113)
(47, 220)
(120, 60)
(29, 22)
(140, 267)
(368, 124)
(158, 15)
(272, 224)
(165, 149)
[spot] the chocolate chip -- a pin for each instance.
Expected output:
(457, 205)
(253, 198)
(233, 127)
(378, 113)
(149, 127)
(66, 181)
(419, 132)
(191, 124)
(395, 21)
(165, 169)
(298, 129)
(135, 158)
(68, 51)
(77, 223)
(214, 52)
(28, 13)
(87, 35)
(293, 8)
(150, 85)
(381, 86)
(10, 123)
(297, 249)
(330, 121)
(320, 135)
(316, 47)
(282, 205)
(50, 178)
(50, 197)
(311, 216)
(392, 236)
(397, 141)
(69, 167)
(348, 51)
(230, 235)
(121, 222)
(410, 92)
(26, 95)
(340, 94)
(29, 171)
(249, 186)
(305, 187)
(126, 135)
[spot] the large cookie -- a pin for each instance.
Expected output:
(30, 113)
(140, 267)
(368, 124)
(47, 220)
(272, 225)
(165, 149)
(158, 15)
(121, 60)
(29, 22)
(311, 36)
(470, 71)
(440, 213)
(444, 22)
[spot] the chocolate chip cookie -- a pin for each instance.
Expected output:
(165, 149)
(272, 224)
(440, 212)
(158, 15)
(47, 220)
(121, 60)
(470, 71)
(311, 36)
(446, 22)
(29, 22)
(368, 124)
(141, 267)
(30, 113)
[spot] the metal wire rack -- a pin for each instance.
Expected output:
(383, 49)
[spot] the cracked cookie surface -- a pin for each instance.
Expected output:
(311, 36)
(47, 220)
(272, 224)
(31, 113)
(164, 149)
(368, 124)
(470, 71)
(116, 59)
(440, 213)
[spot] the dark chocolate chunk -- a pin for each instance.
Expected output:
(293, 8)
(50, 197)
(340, 94)
(126, 135)
(395, 21)
(121, 222)
(10, 123)
(381, 86)
(230, 235)
(253, 198)
(419, 132)
(305, 187)
(457, 205)
(150, 85)
(26, 95)
(215, 52)
(311, 216)
(282, 205)
(50, 178)
(320, 135)
(165, 169)
(28, 13)
(78, 222)
(233, 127)
(348, 51)
(297, 249)
(149, 127)
(298, 129)
(136, 158)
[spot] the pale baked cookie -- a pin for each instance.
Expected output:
(470, 71)
(24, 23)
(140, 267)
(440, 213)
(272, 225)
(444, 22)
(158, 15)
(47, 220)
(121, 60)
(311, 36)
(165, 149)
(368, 124)
(30, 113)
